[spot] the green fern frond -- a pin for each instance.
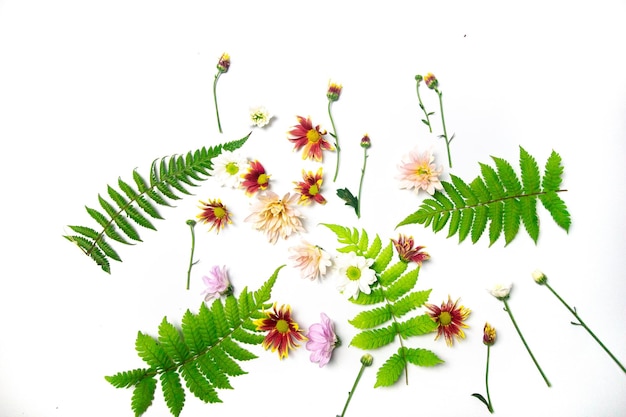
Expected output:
(498, 201)
(203, 354)
(168, 178)
(390, 299)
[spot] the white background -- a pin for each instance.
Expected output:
(90, 90)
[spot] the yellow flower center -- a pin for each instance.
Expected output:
(423, 170)
(262, 179)
(445, 318)
(282, 326)
(353, 273)
(313, 190)
(232, 168)
(219, 212)
(313, 135)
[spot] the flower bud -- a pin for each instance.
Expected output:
(489, 335)
(367, 359)
(419, 78)
(431, 81)
(224, 63)
(539, 277)
(191, 222)
(334, 91)
(366, 142)
(500, 291)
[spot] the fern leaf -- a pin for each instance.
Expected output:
(204, 352)
(375, 338)
(371, 318)
(422, 357)
(417, 326)
(497, 201)
(553, 172)
(143, 395)
(390, 372)
(410, 302)
(392, 273)
(173, 392)
(374, 249)
(383, 258)
(374, 297)
(531, 180)
(557, 209)
(402, 285)
(198, 385)
(167, 176)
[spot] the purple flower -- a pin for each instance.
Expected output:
(217, 283)
(322, 340)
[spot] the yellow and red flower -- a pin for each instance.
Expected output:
(449, 319)
(334, 91)
(311, 187)
(256, 178)
(215, 213)
(283, 333)
(304, 135)
(408, 252)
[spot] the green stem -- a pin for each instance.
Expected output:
(332, 122)
(419, 97)
(217, 112)
(582, 323)
(443, 122)
(191, 224)
(489, 406)
(356, 382)
(508, 310)
(358, 210)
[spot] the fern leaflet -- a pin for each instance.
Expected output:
(392, 298)
(498, 201)
(203, 354)
(136, 205)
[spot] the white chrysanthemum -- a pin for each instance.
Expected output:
(228, 167)
(259, 116)
(355, 274)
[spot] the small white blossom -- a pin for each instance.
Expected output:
(355, 274)
(228, 167)
(259, 116)
(539, 277)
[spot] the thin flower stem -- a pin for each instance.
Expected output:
(191, 224)
(217, 112)
(358, 210)
(419, 97)
(489, 406)
(582, 323)
(332, 122)
(443, 122)
(508, 310)
(356, 382)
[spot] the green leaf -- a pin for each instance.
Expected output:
(422, 357)
(530, 172)
(552, 173)
(349, 199)
(198, 385)
(151, 352)
(410, 302)
(173, 392)
(143, 395)
(371, 318)
(374, 249)
(402, 285)
(390, 372)
(127, 379)
(417, 326)
(481, 398)
(373, 339)
(383, 259)
(172, 342)
(557, 209)
(392, 273)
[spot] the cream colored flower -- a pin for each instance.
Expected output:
(275, 216)
(539, 277)
(259, 116)
(417, 170)
(501, 291)
(310, 259)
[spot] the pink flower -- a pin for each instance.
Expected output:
(310, 259)
(418, 171)
(217, 283)
(322, 340)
